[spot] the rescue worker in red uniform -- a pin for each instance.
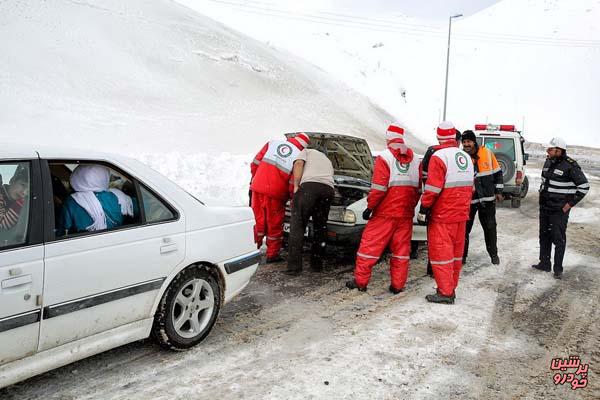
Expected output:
(271, 187)
(445, 209)
(424, 166)
(390, 210)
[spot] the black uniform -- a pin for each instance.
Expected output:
(311, 199)
(562, 182)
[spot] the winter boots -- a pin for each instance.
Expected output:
(352, 285)
(276, 259)
(558, 275)
(393, 290)
(540, 267)
(438, 298)
(495, 259)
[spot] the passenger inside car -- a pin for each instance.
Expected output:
(94, 206)
(12, 197)
(14, 207)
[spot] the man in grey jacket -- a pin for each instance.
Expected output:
(313, 194)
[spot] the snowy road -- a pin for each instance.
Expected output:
(309, 337)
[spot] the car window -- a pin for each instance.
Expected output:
(155, 209)
(504, 146)
(91, 196)
(15, 178)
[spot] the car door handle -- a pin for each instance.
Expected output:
(18, 281)
(169, 248)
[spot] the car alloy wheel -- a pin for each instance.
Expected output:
(188, 309)
(192, 308)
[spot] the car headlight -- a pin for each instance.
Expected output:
(342, 215)
(349, 217)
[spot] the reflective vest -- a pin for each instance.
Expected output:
(272, 167)
(488, 176)
(395, 185)
(449, 186)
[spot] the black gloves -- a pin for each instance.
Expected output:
(367, 214)
(423, 216)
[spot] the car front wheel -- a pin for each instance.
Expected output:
(188, 309)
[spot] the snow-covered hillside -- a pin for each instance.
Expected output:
(518, 61)
(154, 76)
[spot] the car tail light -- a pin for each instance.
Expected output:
(507, 128)
(519, 177)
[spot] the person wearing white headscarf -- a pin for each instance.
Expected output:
(93, 206)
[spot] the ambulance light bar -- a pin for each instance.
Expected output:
(492, 127)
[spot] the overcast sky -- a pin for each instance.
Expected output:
(429, 9)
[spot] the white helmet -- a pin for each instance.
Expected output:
(557, 142)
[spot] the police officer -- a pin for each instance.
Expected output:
(563, 186)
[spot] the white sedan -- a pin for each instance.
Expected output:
(164, 268)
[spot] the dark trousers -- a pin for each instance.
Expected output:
(487, 218)
(311, 200)
(553, 230)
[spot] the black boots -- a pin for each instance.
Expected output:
(316, 264)
(292, 272)
(352, 285)
(495, 259)
(394, 290)
(277, 258)
(438, 298)
(540, 267)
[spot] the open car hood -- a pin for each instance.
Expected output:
(350, 156)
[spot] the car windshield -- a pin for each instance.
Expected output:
(501, 146)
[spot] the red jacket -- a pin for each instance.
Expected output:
(272, 167)
(449, 185)
(395, 184)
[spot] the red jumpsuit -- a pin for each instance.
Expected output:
(447, 194)
(393, 197)
(271, 172)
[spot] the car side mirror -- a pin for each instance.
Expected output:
(526, 156)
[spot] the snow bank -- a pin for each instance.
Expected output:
(217, 180)
(516, 61)
(156, 76)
